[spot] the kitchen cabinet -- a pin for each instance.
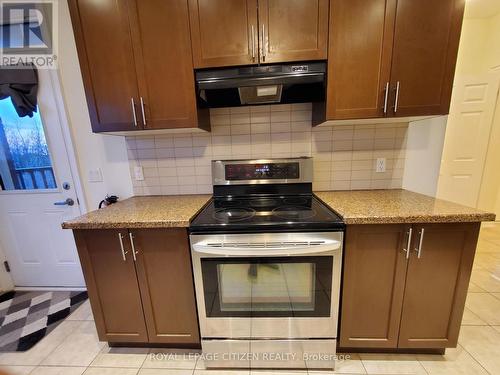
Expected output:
(140, 285)
(243, 32)
(404, 286)
(132, 81)
(391, 58)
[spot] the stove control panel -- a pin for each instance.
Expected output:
(263, 171)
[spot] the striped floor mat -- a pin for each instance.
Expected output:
(26, 317)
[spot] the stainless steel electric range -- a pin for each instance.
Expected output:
(267, 260)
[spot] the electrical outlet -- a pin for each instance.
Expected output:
(95, 175)
(380, 167)
(139, 173)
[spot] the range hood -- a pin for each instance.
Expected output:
(264, 84)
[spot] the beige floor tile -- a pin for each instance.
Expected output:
(18, 370)
(455, 361)
(171, 358)
(485, 306)
(391, 364)
(120, 357)
(471, 319)
(221, 372)
(164, 371)
(485, 280)
(496, 328)
(496, 295)
(79, 349)
(483, 344)
(55, 370)
(40, 351)
(110, 371)
(473, 288)
(84, 312)
(283, 372)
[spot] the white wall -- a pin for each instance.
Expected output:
(92, 150)
(423, 155)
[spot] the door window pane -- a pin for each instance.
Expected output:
(25, 162)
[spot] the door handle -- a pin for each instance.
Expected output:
(386, 97)
(67, 202)
(408, 243)
(120, 238)
(132, 102)
(253, 42)
(131, 236)
(263, 46)
(143, 112)
(396, 100)
(420, 242)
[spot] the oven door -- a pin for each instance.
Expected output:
(282, 285)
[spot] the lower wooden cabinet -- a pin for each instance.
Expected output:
(392, 298)
(140, 285)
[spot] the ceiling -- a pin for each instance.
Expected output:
(481, 8)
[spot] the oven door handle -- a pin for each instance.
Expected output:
(232, 251)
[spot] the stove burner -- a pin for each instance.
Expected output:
(264, 202)
(295, 201)
(294, 212)
(230, 215)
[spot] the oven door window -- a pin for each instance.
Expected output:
(267, 287)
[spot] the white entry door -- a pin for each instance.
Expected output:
(467, 136)
(37, 191)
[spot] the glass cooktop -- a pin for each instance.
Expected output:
(291, 213)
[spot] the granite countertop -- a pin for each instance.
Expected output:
(143, 212)
(398, 206)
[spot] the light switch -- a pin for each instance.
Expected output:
(95, 175)
(138, 173)
(380, 167)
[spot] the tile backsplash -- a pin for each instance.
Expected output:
(344, 155)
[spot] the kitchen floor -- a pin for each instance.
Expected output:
(73, 348)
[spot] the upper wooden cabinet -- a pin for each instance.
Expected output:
(132, 78)
(391, 57)
(388, 273)
(140, 285)
(223, 32)
(242, 32)
(293, 30)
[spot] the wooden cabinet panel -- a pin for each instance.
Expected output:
(427, 35)
(293, 30)
(359, 57)
(165, 277)
(221, 32)
(373, 285)
(436, 285)
(103, 37)
(166, 79)
(112, 285)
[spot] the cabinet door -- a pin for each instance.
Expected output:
(223, 32)
(426, 39)
(359, 58)
(104, 45)
(164, 63)
(166, 281)
(373, 285)
(112, 285)
(436, 285)
(293, 30)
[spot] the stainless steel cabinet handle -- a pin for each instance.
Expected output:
(67, 202)
(120, 237)
(408, 243)
(133, 111)
(263, 46)
(396, 101)
(420, 241)
(143, 112)
(133, 246)
(253, 43)
(386, 98)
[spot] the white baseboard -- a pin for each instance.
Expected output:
(48, 289)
